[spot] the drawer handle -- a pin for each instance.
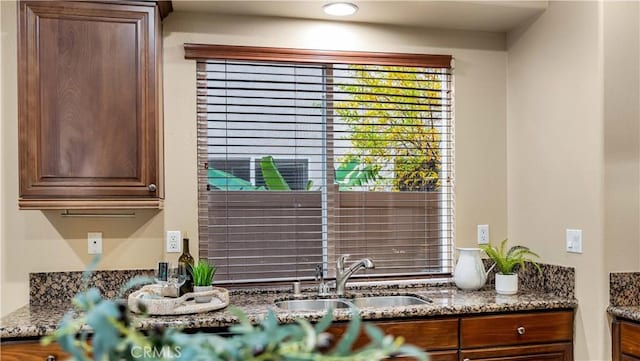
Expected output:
(467, 359)
(51, 358)
(521, 330)
(152, 187)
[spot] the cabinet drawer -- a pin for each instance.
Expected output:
(428, 334)
(502, 330)
(31, 351)
(443, 356)
(433, 356)
(548, 352)
(630, 339)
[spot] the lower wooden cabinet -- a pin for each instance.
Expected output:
(516, 329)
(439, 337)
(429, 335)
(541, 336)
(520, 336)
(625, 340)
(523, 336)
(31, 351)
(547, 352)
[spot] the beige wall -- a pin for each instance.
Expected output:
(621, 33)
(479, 87)
(2, 42)
(34, 241)
(572, 146)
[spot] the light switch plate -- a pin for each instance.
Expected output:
(574, 240)
(94, 242)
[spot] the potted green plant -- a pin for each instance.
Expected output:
(202, 274)
(506, 261)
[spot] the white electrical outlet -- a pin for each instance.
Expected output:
(94, 242)
(173, 241)
(574, 240)
(483, 234)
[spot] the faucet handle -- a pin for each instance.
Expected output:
(340, 262)
(319, 273)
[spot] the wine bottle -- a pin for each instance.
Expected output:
(187, 260)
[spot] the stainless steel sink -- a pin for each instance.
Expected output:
(388, 301)
(312, 305)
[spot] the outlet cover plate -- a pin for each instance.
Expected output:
(173, 241)
(483, 234)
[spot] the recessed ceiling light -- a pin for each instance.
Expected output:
(340, 9)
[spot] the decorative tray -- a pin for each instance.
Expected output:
(150, 297)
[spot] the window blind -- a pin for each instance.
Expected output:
(300, 162)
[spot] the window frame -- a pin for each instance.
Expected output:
(249, 53)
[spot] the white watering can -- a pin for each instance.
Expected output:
(469, 273)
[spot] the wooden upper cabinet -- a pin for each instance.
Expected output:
(90, 109)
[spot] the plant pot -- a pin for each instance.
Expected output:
(202, 299)
(507, 284)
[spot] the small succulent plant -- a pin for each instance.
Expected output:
(202, 273)
(506, 260)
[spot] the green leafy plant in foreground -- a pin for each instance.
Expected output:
(506, 260)
(112, 335)
(202, 273)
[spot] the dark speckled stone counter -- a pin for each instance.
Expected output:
(38, 320)
(624, 295)
(629, 312)
(553, 289)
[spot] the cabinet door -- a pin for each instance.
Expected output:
(553, 352)
(630, 338)
(31, 351)
(430, 335)
(89, 103)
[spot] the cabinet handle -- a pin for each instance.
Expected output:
(51, 358)
(467, 359)
(521, 330)
(152, 187)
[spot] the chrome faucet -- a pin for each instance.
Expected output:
(342, 274)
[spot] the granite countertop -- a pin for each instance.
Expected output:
(624, 295)
(629, 312)
(39, 320)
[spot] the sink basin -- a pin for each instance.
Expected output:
(311, 305)
(388, 301)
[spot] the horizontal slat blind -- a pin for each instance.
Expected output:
(302, 162)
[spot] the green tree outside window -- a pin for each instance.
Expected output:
(391, 116)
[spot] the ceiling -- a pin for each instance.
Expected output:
(479, 15)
